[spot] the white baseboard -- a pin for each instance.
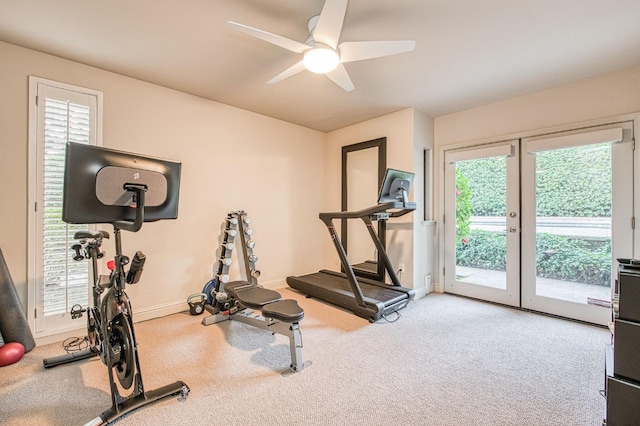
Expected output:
(138, 316)
(275, 285)
(159, 311)
(59, 337)
(180, 306)
(421, 292)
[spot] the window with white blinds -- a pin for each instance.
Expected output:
(64, 280)
(59, 114)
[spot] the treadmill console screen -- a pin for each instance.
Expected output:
(395, 186)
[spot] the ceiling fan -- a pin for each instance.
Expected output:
(321, 52)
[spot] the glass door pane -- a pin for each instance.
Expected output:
(481, 238)
(482, 227)
(577, 210)
(573, 223)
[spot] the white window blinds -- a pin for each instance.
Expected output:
(63, 121)
(58, 113)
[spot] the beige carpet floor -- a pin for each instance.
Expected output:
(446, 361)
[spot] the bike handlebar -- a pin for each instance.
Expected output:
(134, 226)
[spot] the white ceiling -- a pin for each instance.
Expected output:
(468, 52)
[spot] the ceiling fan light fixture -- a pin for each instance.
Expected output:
(321, 60)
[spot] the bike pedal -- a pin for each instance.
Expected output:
(77, 311)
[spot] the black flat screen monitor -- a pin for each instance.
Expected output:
(395, 187)
(95, 179)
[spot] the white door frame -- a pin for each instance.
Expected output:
(632, 117)
(510, 295)
(621, 220)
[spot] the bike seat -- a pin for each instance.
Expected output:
(84, 235)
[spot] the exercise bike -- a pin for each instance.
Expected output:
(110, 331)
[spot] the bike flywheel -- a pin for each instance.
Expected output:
(123, 350)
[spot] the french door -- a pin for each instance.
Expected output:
(538, 223)
(472, 176)
(572, 235)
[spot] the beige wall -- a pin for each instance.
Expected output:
(281, 174)
(231, 160)
(595, 98)
(603, 96)
(408, 133)
(424, 228)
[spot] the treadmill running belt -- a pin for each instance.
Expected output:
(334, 288)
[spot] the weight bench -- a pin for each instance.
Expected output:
(262, 308)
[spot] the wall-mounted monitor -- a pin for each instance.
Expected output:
(395, 187)
(97, 185)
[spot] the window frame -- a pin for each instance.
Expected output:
(34, 168)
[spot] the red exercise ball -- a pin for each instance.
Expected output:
(11, 353)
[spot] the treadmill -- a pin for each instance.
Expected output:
(365, 297)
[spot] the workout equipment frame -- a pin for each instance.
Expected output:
(110, 330)
(246, 301)
(364, 297)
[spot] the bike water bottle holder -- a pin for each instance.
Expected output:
(135, 270)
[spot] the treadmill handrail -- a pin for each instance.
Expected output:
(365, 215)
(401, 210)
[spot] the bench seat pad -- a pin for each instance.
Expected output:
(251, 296)
(286, 310)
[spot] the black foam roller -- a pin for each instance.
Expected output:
(13, 322)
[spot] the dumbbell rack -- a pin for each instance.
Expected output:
(237, 223)
(245, 300)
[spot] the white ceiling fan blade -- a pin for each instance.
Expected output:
(286, 43)
(359, 50)
(293, 70)
(340, 76)
(330, 23)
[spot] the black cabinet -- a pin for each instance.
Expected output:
(622, 356)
